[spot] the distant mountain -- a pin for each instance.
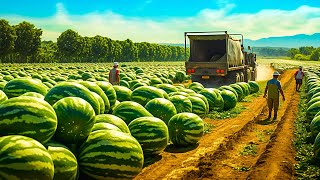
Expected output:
(294, 41)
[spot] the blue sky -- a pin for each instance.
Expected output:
(163, 20)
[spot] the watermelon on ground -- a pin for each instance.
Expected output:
(182, 103)
(185, 129)
(109, 91)
(161, 108)
(152, 134)
(129, 110)
(198, 105)
(24, 158)
(28, 116)
(144, 94)
(104, 126)
(65, 162)
(123, 93)
(109, 154)
(33, 94)
(75, 120)
(254, 86)
(3, 96)
(229, 98)
(313, 110)
(112, 119)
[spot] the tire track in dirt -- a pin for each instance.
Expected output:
(249, 151)
(198, 162)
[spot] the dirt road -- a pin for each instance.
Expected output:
(245, 147)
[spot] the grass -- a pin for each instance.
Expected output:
(242, 169)
(306, 167)
(227, 114)
(208, 128)
(249, 149)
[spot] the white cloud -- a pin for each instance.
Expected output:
(266, 23)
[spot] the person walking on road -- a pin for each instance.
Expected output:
(298, 77)
(273, 88)
(114, 75)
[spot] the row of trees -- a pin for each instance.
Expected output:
(22, 44)
(305, 53)
(271, 51)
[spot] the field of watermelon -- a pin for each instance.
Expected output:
(66, 121)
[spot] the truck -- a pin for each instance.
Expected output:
(218, 58)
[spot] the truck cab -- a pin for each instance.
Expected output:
(218, 58)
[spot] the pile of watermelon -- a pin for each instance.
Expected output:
(313, 106)
(69, 122)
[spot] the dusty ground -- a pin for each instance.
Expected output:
(246, 147)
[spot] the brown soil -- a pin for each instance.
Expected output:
(221, 153)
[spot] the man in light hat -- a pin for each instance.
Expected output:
(298, 77)
(114, 75)
(273, 88)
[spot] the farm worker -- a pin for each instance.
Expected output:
(114, 75)
(273, 88)
(298, 77)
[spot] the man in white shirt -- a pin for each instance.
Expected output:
(298, 77)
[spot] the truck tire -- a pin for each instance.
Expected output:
(237, 78)
(241, 77)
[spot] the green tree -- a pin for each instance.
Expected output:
(315, 55)
(293, 51)
(28, 41)
(69, 46)
(7, 38)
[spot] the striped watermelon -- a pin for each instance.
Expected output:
(104, 126)
(254, 86)
(182, 103)
(239, 91)
(316, 147)
(75, 120)
(152, 134)
(161, 108)
(313, 110)
(123, 93)
(109, 154)
(245, 88)
(168, 88)
(185, 129)
(112, 119)
(3, 96)
(33, 94)
(199, 107)
(230, 89)
(19, 86)
(129, 110)
(94, 87)
(72, 89)
(196, 86)
(65, 163)
(24, 158)
(109, 91)
(315, 126)
(144, 94)
(229, 99)
(204, 100)
(215, 100)
(28, 116)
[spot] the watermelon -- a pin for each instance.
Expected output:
(139, 84)
(28, 116)
(104, 126)
(204, 100)
(2, 85)
(24, 158)
(180, 76)
(182, 103)
(168, 88)
(254, 87)
(161, 108)
(72, 89)
(48, 85)
(312, 101)
(96, 88)
(313, 110)
(65, 163)
(129, 110)
(109, 154)
(19, 86)
(230, 89)
(185, 129)
(199, 107)
(239, 91)
(3, 96)
(215, 100)
(144, 94)
(33, 94)
(112, 119)
(75, 120)
(229, 99)
(316, 147)
(109, 91)
(155, 81)
(152, 134)
(123, 93)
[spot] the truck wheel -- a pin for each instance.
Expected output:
(241, 77)
(237, 77)
(248, 75)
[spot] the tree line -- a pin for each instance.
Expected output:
(22, 44)
(271, 51)
(305, 53)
